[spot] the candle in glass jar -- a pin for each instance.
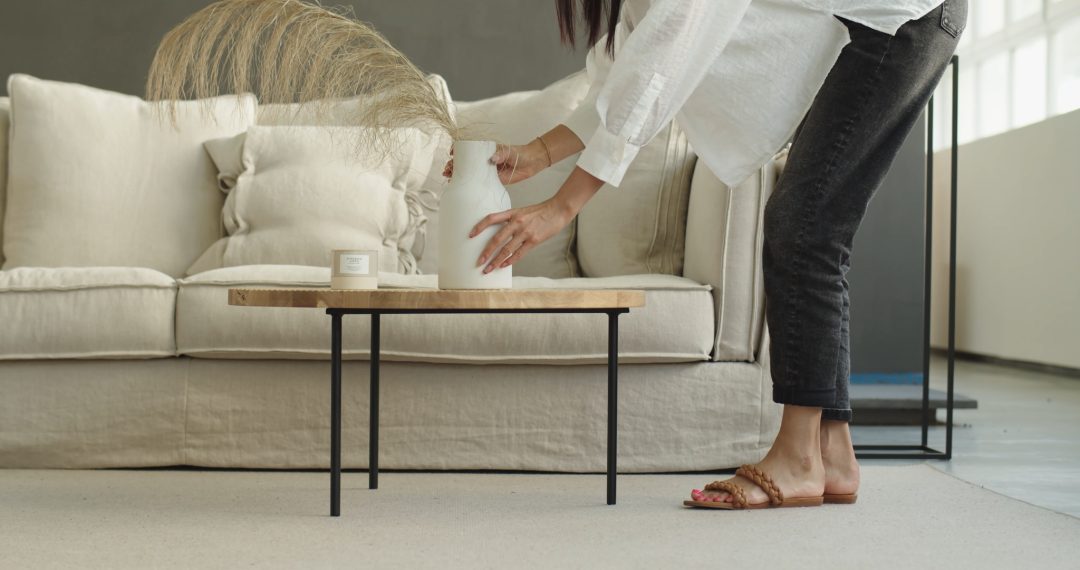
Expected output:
(354, 269)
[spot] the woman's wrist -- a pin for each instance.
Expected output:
(578, 189)
(557, 144)
(547, 151)
(537, 155)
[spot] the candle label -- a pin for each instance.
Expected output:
(354, 264)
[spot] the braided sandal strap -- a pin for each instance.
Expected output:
(738, 496)
(761, 479)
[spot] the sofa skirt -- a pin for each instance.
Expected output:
(276, 414)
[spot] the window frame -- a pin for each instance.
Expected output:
(1052, 16)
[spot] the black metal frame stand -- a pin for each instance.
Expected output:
(923, 450)
(373, 431)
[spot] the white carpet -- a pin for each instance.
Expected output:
(907, 517)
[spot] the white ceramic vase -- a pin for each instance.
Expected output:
(474, 192)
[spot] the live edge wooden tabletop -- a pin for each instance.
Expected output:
(439, 298)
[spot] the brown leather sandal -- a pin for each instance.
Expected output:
(840, 499)
(738, 496)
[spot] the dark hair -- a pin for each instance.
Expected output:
(593, 14)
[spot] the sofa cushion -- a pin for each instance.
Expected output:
(100, 179)
(676, 324)
(5, 118)
(296, 193)
(343, 114)
(86, 312)
(517, 118)
(640, 227)
(723, 249)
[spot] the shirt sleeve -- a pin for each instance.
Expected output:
(655, 70)
(584, 120)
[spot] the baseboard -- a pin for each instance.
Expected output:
(1011, 363)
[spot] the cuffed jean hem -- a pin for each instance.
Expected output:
(812, 399)
(803, 397)
(836, 414)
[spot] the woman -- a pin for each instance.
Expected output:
(847, 79)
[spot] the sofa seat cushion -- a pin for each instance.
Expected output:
(86, 312)
(676, 324)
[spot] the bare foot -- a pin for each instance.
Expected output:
(794, 462)
(796, 475)
(838, 456)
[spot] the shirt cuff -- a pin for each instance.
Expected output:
(607, 156)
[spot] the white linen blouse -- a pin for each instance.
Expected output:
(739, 74)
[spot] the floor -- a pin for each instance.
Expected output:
(119, 519)
(1023, 441)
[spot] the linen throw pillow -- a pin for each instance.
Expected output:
(640, 227)
(517, 118)
(342, 114)
(296, 193)
(5, 113)
(98, 179)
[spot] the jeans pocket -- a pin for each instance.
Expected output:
(954, 15)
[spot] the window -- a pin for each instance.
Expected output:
(1066, 68)
(1029, 82)
(1019, 64)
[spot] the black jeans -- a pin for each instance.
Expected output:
(839, 156)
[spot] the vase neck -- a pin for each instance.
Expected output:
(472, 161)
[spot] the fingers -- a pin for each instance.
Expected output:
(448, 170)
(500, 239)
(490, 220)
(520, 252)
(502, 154)
(505, 252)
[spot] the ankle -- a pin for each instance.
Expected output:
(799, 457)
(835, 437)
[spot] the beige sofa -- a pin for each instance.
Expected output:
(109, 366)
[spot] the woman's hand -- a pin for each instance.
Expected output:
(526, 227)
(523, 229)
(514, 162)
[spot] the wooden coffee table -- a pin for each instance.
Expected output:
(376, 303)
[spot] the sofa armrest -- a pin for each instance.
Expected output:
(723, 249)
(5, 120)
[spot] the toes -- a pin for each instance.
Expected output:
(710, 496)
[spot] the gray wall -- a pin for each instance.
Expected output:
(482, 48)
(886, 274)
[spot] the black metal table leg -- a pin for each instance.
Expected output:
(373, 412)
(613, 402)
(335, 413)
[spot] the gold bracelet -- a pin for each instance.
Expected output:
(546, 151)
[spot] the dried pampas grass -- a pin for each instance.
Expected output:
(291, 51)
